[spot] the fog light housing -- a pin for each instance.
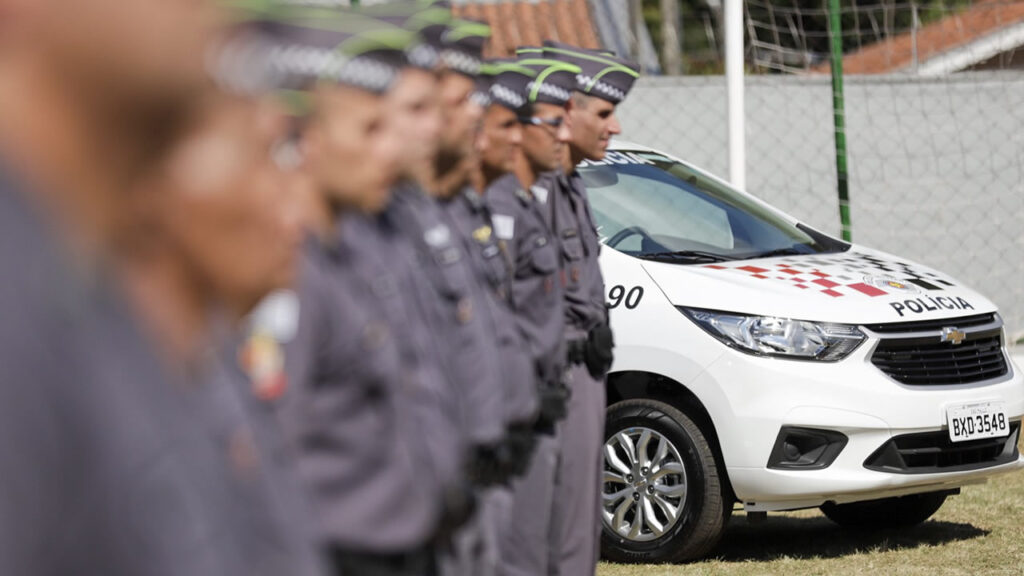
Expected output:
(798, 448)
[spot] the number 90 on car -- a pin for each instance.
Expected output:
(977, 420)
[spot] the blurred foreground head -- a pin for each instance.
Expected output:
(127, 51)
(414, 107)
(225, 200)
(221, 204)
(349, 153)
(603, 82)
(461, 114)
(93, 91)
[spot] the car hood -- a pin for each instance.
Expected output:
(860, 286)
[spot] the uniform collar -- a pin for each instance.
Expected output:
(475, 202)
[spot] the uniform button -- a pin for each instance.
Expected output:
(242, 452)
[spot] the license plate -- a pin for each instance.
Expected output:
(976, 421)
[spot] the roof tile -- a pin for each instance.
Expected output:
(529, 22)
(897, 53)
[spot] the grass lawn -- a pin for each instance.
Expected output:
(979, 532)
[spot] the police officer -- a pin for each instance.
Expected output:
(223, 237)
(371, 428)
(535, 93)
(603, 82)
(468, 214)
(111, 464)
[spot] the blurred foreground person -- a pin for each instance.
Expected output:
(375, 433)
(534, 93)
(118, 455)
(222, 237)
(603, 82)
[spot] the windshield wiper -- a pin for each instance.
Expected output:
(778, 252)
(684, 256)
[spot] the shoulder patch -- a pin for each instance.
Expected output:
(277, 316)
(504, 226)
(540, 193)
(437, 236)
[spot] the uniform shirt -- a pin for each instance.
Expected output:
(451, 299)
(469, 217)
(536, 295)
(573, 223)
(380, 258)
(281, 525)
(347, 412)
(108, 465)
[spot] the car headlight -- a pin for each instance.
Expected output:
(782, 337)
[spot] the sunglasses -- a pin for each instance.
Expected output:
(538, 121)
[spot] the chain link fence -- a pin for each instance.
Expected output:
(936, 164)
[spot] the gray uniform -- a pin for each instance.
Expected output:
(463, 312)
(107, 464)
(453, 302)
(469, 216)
(276, 517)
(537, 296)
(381, 258)
(354, 412)
(576, 516)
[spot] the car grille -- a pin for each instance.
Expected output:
(932, 325)
(931, 452)
(914, 353)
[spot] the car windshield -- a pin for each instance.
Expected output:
(650, 206)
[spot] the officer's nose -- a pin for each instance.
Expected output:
(564, 133)
(613, 125)
(515, 135)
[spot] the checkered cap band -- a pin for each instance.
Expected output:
(550, 93)
(598, 87)
(507, 97)
(461, 62)
(601, 75)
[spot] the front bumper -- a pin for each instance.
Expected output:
(756, 397)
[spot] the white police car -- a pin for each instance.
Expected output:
(762, 362)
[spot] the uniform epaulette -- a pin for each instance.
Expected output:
(474, 199)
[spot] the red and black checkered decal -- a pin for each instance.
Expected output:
(858, 275)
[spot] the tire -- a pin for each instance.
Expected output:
(682, 469)
(899, 512)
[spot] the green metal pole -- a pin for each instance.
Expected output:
(839, 116)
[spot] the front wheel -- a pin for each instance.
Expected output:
(664, 498)
(899, 512)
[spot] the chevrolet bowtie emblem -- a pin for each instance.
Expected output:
(953, 336)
